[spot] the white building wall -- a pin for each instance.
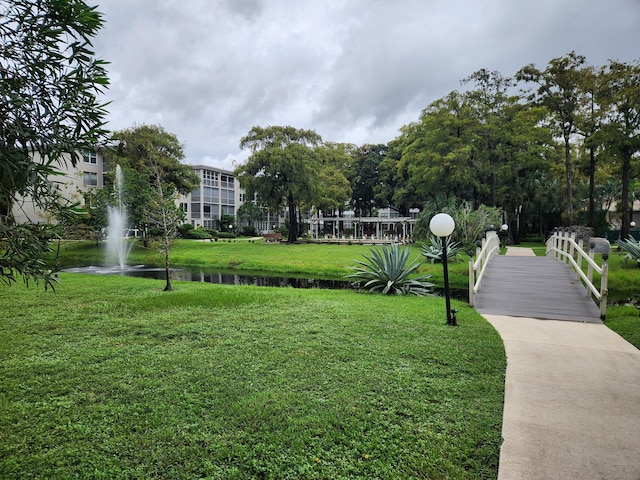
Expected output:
(87, 174)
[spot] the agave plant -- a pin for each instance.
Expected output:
(434, 251)
(631, 247)
(387, 271)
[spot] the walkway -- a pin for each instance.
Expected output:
(521, 284)
(572, 398)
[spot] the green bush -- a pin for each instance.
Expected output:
(434, 251)
(632, 247)
(387, 271)
(249, 231)
(226, 235)
(199, 234)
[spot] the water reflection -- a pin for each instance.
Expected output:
(214, 276)
(233, 278)
(227, 278)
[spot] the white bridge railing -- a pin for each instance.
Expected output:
(563, 245)
(490, 246)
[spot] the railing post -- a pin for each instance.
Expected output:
(590, 270)
(604, 291)
(472, 281)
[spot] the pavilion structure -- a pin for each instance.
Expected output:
(361, 229)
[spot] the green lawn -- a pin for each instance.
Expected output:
(328, 261)
(110, 377)
(333, 261)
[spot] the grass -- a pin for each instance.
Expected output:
(112, 378)
(334, 261)
(321, 261)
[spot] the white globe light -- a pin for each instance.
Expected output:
(505, 227)
(442, 225)
(633, 224)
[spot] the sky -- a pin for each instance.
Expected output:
(354, 71)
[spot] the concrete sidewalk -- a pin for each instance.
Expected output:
(520, 252)
(572, 401)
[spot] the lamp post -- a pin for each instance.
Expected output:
(442, 225)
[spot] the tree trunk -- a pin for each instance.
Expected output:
(167, 287)
(293, 221)
(592, 182)
(626, 177)
(569, 174)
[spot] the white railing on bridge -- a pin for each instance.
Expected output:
(563, 245)
(490, 246)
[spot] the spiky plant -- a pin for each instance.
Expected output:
(387, 270)
(434, 251)
(631, 247)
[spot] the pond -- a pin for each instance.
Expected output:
(215, 276)
(234, 278)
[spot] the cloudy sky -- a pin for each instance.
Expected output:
(352, 70)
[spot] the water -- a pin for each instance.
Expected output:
(118, 247)
(235, 278)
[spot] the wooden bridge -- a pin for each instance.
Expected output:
(520, 284)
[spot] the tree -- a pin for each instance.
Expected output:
(163, 213)
(620, 99)
(366, 178)
(559, 89)
(334, 189)
(249, 212)
(437, 153)
(49, 86)
(281, 169)
(492, 106)
(144, 152)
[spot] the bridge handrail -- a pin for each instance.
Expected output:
(563, 246)
(490, 246)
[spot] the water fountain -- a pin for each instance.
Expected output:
(118, 247)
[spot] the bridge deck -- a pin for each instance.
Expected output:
(534, 287)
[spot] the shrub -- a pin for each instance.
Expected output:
(632, 248)
(184, 230)
(434, 251)
(198, 234)
(387, 271)
(249, 231)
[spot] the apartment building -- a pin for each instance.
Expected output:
(88, 173)
(218, 194)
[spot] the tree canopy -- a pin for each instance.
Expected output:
(285, 169)
(50, 82)
(151, 160)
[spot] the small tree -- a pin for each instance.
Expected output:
(161, 212)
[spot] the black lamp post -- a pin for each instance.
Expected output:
(442, 225)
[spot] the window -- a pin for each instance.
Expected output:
(210, 211)
(210, 178)
(195, 210)
(184, 207)
(90, 179)
(228, 210)
(89, 157)
(226, 181)
(227, 197)
(195, 195)
(210, 194)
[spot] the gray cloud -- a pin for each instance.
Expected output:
(353, 70)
